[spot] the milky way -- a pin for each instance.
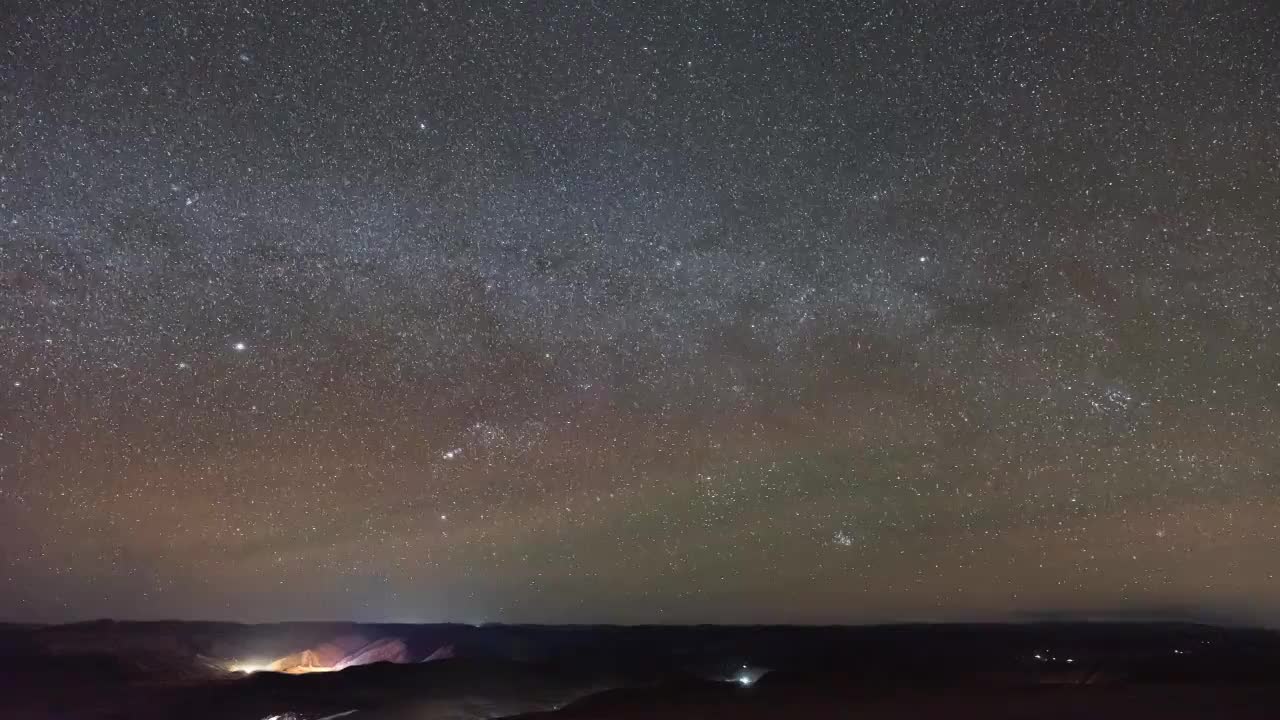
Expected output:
(655, 312)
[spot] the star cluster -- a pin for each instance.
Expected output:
(639, 312)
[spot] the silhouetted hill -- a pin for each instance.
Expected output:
(173, 669)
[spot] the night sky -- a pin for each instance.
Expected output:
(639, 312)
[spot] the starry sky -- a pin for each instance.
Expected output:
(639, 311)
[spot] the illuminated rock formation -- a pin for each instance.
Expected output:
(337, 655)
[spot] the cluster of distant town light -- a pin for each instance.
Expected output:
(1046, 657)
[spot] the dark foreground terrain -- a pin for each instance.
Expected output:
(211, 670)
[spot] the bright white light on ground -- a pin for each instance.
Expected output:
(746, 676)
